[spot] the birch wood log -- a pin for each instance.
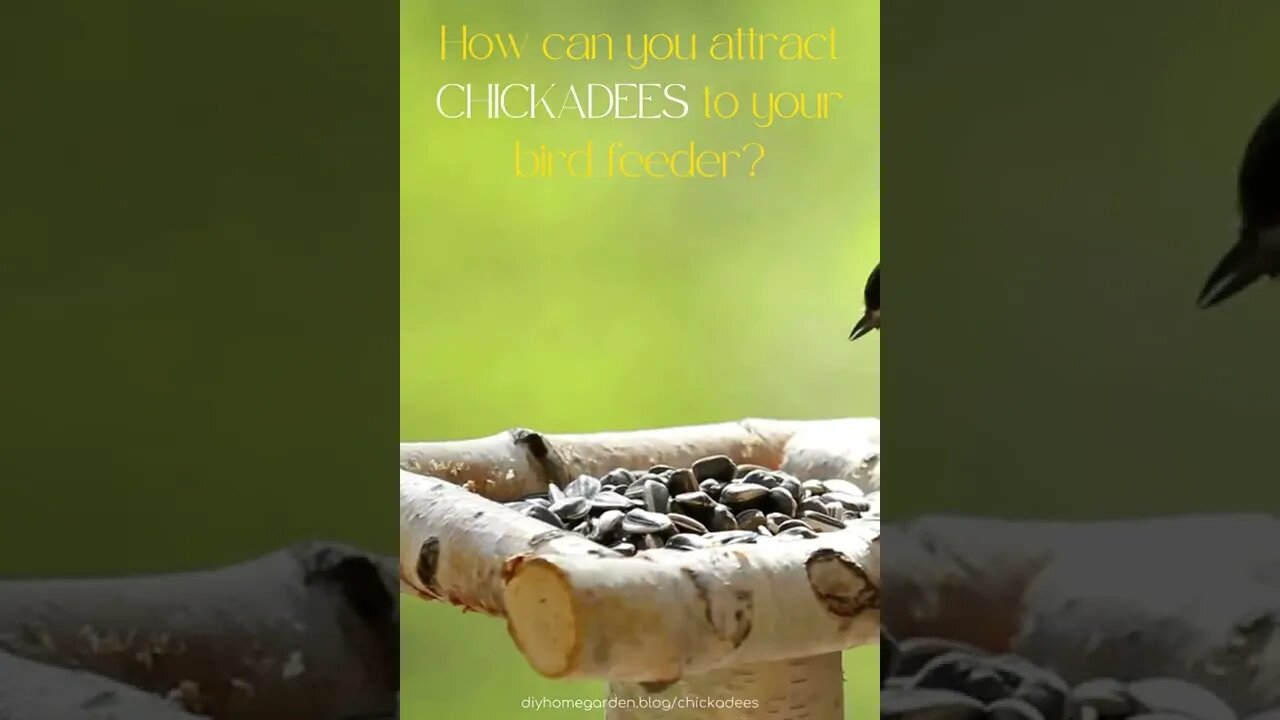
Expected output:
(1194, 597)
(34, 691)
(734, 632)
(801, 688)
(455, 544)
(518, 462)
(665, 614)
(307, 632)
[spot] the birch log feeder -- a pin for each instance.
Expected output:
(1191, 597)
(743, 631)
(309, 632)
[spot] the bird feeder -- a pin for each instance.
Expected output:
(742, 630)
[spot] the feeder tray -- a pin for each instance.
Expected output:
(739, 631)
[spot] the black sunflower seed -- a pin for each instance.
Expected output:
(742, 495)
(607, 526)
(732, 537)
(682, 481)
(749, 519)
(583, 486)
(644, 522)
(781, 501)
(694, 504)
(762, 477)
(540, 513)
(656, 496)
(722, 519)
(822, 521)
(571, 508)
(686, 524)
(716, 467)
(687, 541)
(610, 500)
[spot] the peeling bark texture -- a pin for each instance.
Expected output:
(306, 632)
(454, 544)
(665, 614)
(849, 450)
(1204, 606)
(512, 464)
(961, 578)
(32, 691)
(807, 688)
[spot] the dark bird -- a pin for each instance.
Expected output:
(1257, 251)
(871, 300)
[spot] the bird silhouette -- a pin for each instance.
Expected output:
(871, 301)
(1257, 250)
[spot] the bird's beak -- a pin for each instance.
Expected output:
(870, 321)
(1236, 271)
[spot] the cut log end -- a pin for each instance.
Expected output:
(541, 618)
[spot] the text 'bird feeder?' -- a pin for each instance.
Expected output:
(712, 571)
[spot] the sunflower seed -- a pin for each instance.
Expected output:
(607, 525)
(687, 541)
(695, 504)
(774, 519)
(625, 549)
(813, 487)
(716, 467)
(540, 513)
(762, 477)
(741, 495)
(571, 508)
(656, 497)
(813, 504)
(797, 532)
(644, 522)
(781, 501)
(682, 481)
(793, 486)
(822, 521)
(722, 519)
(731, 537)
(610, 500)
(584, 486)
(686, 524)
(744, 470)
(750, 519)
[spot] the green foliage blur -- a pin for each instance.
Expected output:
(596, 304)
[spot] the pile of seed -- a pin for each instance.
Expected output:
(943, 679)
(714, 502)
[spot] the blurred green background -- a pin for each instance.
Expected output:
(596, 304)
(1059, 188)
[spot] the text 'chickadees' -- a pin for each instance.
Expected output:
(593, 101)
